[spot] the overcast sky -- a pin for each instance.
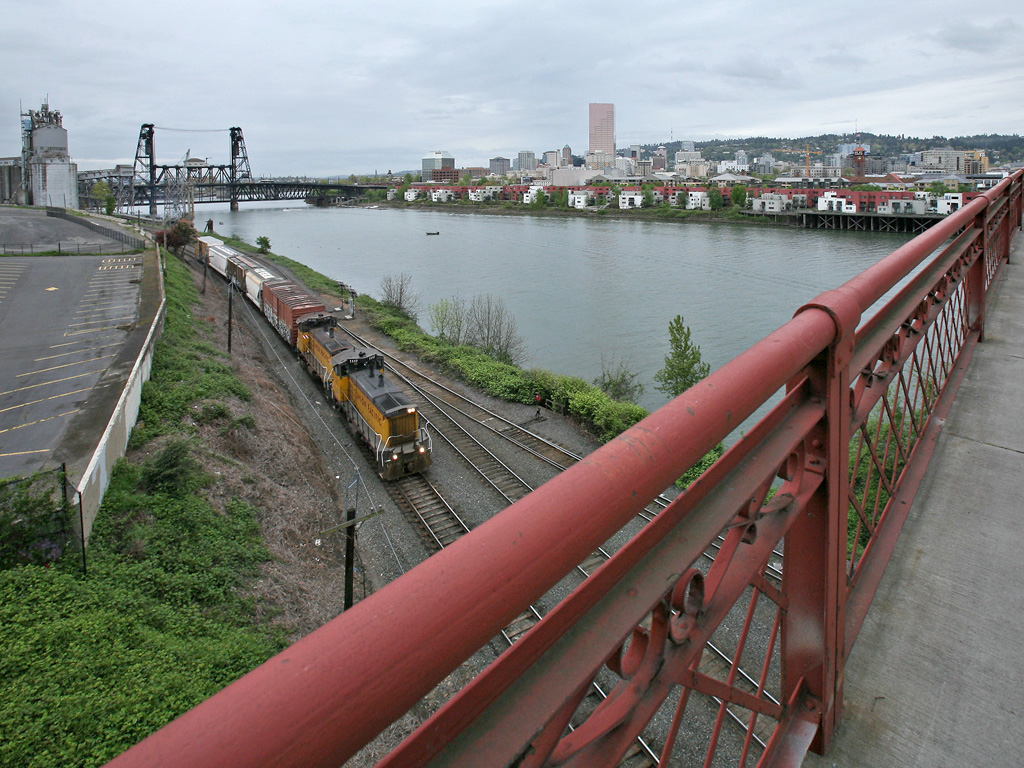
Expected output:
(348, 86)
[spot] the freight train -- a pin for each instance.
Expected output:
(352, 377)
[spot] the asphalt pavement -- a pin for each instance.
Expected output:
(69, 335)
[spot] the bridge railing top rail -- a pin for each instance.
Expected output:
(826, 472)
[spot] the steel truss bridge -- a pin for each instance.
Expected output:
(829, 474)
(148, 184)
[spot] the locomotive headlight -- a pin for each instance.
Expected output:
(422, 449)
(410, 410)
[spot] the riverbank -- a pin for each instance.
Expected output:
(508, 208)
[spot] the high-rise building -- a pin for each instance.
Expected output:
(499, 166)
(602, 128)
(527, 161)
(437, 160)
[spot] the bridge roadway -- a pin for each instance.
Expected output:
(936, 677)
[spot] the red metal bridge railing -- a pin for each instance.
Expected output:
(682, 655)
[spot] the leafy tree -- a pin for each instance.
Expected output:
(937, 188)
(539, 200)
(739, 195)
(396, 291)
(448, 320)
(100, 193)
(492, 328)
(648, 190)
(619, 381)
(684, 365)
(263, 243)
(559, 198)
(408, 179)
(715, 198)
(467, 179)
(178, 236)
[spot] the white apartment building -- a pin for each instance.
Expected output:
(698, 200)
(830, 201)
(631, 199)
(479, 194)
(771, 202)
(581, 198)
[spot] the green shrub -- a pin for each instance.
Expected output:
(186, 367)
(93, 665)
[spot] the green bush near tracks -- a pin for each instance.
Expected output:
(92, 664)
(567, 394)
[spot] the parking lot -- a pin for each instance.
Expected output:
(63, 321)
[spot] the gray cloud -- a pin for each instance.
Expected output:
(322, 87)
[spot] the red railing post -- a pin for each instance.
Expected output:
(814, 577)
(977, 274)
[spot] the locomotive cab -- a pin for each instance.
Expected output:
(385, 416)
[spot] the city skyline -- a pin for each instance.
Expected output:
(323, 89)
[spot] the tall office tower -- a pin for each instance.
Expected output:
(438, 166)
(602, 128)
(527, 161)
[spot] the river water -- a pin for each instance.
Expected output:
(580, 288)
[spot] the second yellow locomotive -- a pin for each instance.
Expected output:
(353, 380)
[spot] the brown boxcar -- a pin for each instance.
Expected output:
(285, 303)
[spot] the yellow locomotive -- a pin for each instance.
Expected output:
(353, 380)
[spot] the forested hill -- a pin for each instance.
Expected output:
(1001, 148)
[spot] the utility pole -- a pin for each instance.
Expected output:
(350, 554)
(231, 294)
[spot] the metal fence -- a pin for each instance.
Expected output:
(804, 511)
(38, 522)
(66, 247)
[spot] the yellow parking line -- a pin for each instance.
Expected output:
(43, 400)
(105, 320)
(39, 421)
(47, 383)
(74, 352)
(24, 453)
(66, 365)
(106, 305)
(99, 313)
(90, 330)
(84, 341)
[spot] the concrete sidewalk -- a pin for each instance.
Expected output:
(936, 677)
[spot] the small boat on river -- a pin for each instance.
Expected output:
(433, 233)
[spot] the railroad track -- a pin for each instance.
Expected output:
(441, 525)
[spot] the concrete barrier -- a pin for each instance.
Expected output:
(93, 481)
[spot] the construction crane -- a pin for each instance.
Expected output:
(807, 156)
(807, 162)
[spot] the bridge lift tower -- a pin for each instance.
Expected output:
(151, 181)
